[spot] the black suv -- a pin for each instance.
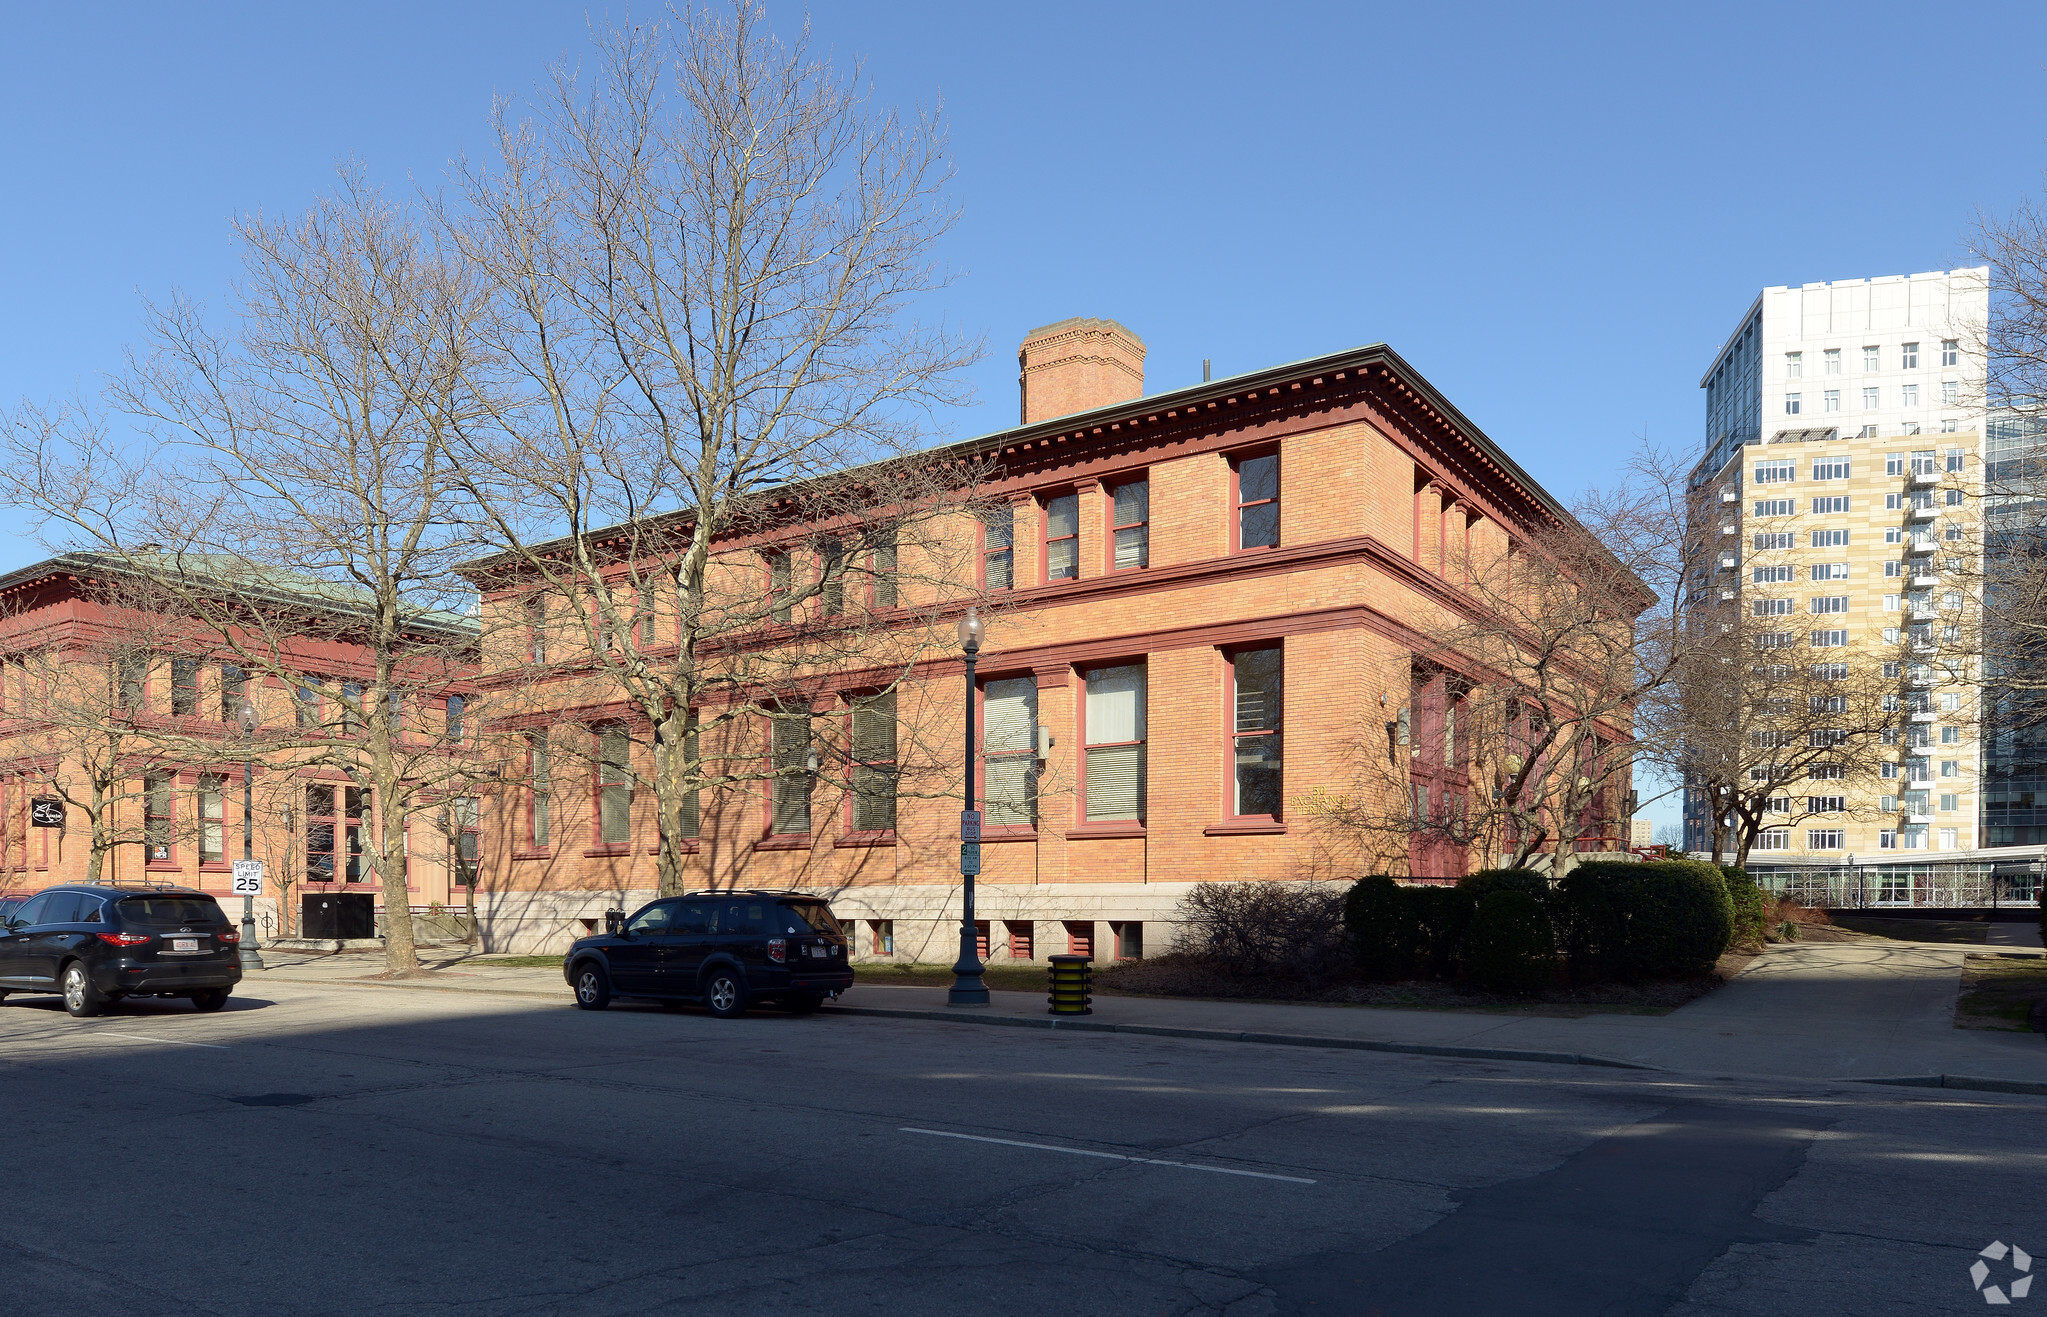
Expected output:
(96, 945)
(725, 949)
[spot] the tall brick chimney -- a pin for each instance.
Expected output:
(1077, 365)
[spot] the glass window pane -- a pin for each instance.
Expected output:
(1261, 526)
(1115, 704)
(1132, 547)
(1000, 576)
(1258, 774)
(1062, 516)
(1062, 560)
(1115, 782)
(1001, 528)
(1133, 503)
(1011, 712)
(1011, 789)
(1259, 676)
(1258, 478)
(874, 797)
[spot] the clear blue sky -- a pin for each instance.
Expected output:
(1554, 211)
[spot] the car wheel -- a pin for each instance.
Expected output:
(212, 999)
(803, 1003)
(725, 994)
(593, 986)
(80, 997)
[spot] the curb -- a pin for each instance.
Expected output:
(1237, 1036)
(1976, 1083)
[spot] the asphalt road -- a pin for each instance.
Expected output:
(351, 1150)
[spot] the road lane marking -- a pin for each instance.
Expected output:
(149, 1038)
(1110, 1156)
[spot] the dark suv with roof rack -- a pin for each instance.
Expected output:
(96, 945)
(725, 949)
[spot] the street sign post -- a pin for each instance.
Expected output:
(46, 812)
(248, 877)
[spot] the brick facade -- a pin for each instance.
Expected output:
(1372, 464)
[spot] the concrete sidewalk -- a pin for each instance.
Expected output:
(1812, 1010)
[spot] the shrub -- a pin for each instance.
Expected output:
(1382, 937)
(1437, 921)
(1653, 920)
(1487, 881)
(1751, 906)
(1294, 930)
(1511, 947)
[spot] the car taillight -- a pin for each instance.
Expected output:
(124, 939)
(229, 938)
(778, 949)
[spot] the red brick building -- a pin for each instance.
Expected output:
(1207, 599)
(113, 703)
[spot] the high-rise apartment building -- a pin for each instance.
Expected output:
(1845, 460)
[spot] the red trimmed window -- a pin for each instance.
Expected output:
(184, 687)
(1130, 526)
(1062, 537)
(790, 788)
(1254, 498)
(874, 763)
(334, 842)
(881, 570)
(212, 821)
(536, 629)
(831, 577)
(1257, 682)
(467, 844)
(159, 817)
(645, 616)
(779, 577)
(1114, 732)
(981, 938)
(998, 549)
(1080, 937)
(234, 685)
(1009, 752)
(539, 806)
(614, 786)
(1129, 940)
(883, 932)
(1020, 931)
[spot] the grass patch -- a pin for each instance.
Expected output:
(2000, 992)
(510, 962)
(1002, 978)
(1966, 931)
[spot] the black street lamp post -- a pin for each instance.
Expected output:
(967, 988)
(246, 716)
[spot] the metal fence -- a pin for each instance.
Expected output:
(1877, 886)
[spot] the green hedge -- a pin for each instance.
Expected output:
(1637, 921)
(1511, 947)
(1751, 906)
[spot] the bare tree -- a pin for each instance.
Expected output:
(1518, 738)
(292, 494)
(703, 391)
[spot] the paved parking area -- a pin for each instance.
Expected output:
(324, 1149)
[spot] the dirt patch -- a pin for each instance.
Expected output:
(1192, 977)
(391, 975)
(2007, 993)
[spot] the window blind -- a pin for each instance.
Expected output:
(1009, 742)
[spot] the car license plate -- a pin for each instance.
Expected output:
(184, 944)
